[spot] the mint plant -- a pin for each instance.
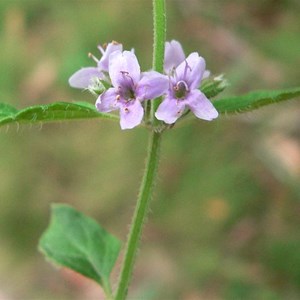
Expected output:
(176, 88)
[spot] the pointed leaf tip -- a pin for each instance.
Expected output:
(76, 241)
(254, 100)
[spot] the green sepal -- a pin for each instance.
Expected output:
(98, 86)
(211, 87)
(6, 110)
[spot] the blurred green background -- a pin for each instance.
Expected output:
(224, 222)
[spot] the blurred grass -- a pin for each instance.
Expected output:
(225, 217)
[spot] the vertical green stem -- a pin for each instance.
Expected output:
(159, 32)
(159, 39)
(139, 214)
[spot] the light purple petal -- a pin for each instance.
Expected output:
(103, 63)
(191, 70)
(152, 85)
(170, 110)
(206, 74)
(123, 68)
(83, 78)
(174, 55)
(131, 115)
(201, 106)
(107, 101)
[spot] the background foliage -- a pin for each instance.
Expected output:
(225, 217)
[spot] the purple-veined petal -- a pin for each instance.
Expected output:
(201, 106)
(191, 70)
(170, 110)
(151, 85)
(107, 101)
(131, 114)
(83, 77)
(103, 63)
(174, 55)
(124, 68)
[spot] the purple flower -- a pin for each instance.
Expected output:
(174, 55)
(104, 60)
(85, 76)
(130, 88)
(184, 82)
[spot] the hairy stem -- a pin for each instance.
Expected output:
(139, 215)
(159, 38)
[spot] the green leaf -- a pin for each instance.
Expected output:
(211, 87)
(254, 100)
(57, 111)
(76, 241)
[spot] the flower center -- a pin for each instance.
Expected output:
(180, 89)
(125, 94)
(126, 91)
(128, 94)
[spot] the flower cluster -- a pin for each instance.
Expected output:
(129, 88)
